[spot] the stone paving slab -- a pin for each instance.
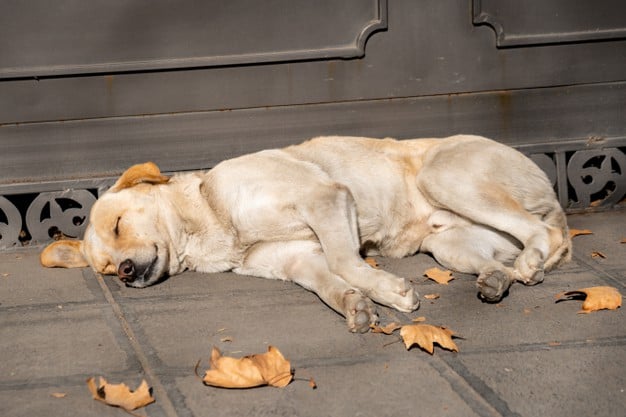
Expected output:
(374, 388)
(525, 356)
(565, 380)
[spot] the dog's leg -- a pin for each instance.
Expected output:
(496, 186)
(474, 249)
(331, 214)
(304, 263)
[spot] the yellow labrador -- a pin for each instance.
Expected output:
(306, 212)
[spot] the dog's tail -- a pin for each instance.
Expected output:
(560, 240)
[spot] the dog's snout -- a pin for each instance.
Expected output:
(126, 271)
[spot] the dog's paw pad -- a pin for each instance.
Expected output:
(360, 312)
(493, 284)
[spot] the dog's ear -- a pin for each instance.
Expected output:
(147, 173)
(64, 254)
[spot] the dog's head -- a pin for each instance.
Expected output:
(125, 234)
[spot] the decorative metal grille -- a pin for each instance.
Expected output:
(584, 179)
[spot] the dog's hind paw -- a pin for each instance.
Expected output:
(529, 267)
(359, 311)
(493, 284)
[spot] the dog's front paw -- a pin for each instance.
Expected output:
(493, 284)
(398, 294)
(359, 311)
(408, 300)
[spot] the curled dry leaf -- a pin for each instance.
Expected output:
(269, 368)
(419, 319)
(439, 276)
(388, 329)
(425, 335)
(432, 296)
(597, 298)
(119, 395)
(579, 232)
(598, 254)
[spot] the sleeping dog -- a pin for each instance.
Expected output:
(307, 213)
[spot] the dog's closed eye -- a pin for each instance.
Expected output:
(116, 229)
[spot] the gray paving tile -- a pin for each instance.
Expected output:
(183, 330)
(608, 228)
(586, 381)
(528, 315)
(31, 401)
(406, 387)
(44, 344)
(23, 281)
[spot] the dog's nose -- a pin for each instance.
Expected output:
(126, 271)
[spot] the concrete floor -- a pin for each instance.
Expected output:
(526, 356)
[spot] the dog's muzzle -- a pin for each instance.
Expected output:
(137, 275)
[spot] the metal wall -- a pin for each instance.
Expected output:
(89, 88)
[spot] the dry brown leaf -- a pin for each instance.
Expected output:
(58, 394)
(388, 329)
(226, 339)
(432, 296)
(419, 319)
(372, 262)
(119, 395)
(579, 232)
(597, 298)
(312, 383)
(439, 276)
(598, 254)
(623, 240)
(425, 335)
(269, 368)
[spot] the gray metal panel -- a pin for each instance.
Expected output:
(433, 72)
(431, 47)
(536, 22)
(101, 147)
(40, 37)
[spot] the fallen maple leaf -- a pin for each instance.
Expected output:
(269, 368)
(119, 395)
(425, 335)
(441, 277)
(579, 232)
(388, 329)
(597, 298)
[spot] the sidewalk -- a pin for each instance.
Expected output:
(526, 356)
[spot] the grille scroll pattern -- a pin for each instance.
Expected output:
(584, 180)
